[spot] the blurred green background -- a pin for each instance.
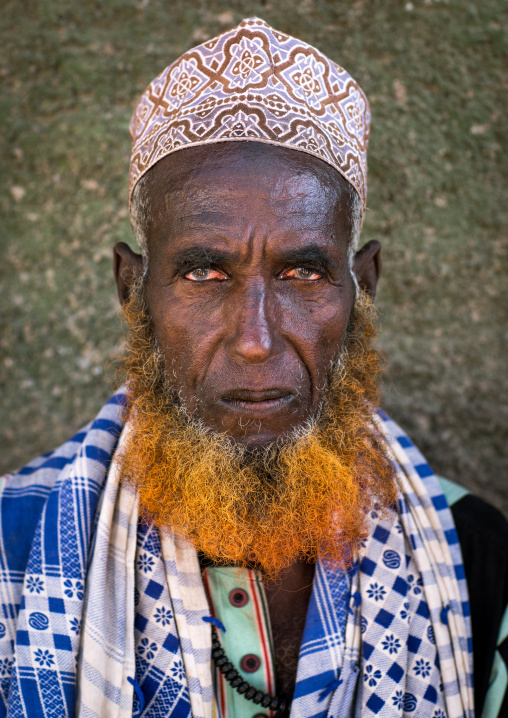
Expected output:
(70, 74)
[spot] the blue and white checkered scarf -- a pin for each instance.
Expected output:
(102, 617)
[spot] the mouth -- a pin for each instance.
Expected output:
(257, 402)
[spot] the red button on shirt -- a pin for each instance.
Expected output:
(238, 597)
(250, 663)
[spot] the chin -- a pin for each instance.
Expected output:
(265, 437)
(257, 442)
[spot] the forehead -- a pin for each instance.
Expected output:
(238, 184)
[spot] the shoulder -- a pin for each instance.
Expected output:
(96, 440)
(25, 493)
(483, 536)
(40, 475)
(481, 523)
(480, 526)
(23, 496)
(482, 531)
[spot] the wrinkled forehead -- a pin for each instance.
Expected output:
(246, 164)
(235, 178)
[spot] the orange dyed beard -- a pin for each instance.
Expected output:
(306, 496)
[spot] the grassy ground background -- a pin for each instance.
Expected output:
(70, 73)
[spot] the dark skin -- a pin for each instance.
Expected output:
(250, 294)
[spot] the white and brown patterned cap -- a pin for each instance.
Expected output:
(254, 83)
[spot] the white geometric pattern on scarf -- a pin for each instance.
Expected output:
(107, 654)
(404, 664)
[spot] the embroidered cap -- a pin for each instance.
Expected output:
(254, 83)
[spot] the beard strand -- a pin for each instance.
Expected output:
(306, 496)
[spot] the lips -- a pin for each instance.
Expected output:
(257, 401)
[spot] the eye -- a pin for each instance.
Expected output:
(204, 274)
(302, 273)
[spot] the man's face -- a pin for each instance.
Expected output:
(249, 287)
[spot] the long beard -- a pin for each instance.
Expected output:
(307, 496)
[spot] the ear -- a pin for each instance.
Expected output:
(367, 266)
(127, 268)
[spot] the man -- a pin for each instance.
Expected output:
(240, 531)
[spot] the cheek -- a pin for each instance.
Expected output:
(187, 335)
(318, 327)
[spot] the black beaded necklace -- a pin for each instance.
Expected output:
(222, 662)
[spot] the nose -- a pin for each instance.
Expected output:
(254, 337)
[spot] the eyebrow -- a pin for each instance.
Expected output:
(192, 257)
(195, 256)
(313, 254)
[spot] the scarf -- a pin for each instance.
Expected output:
(103, 616)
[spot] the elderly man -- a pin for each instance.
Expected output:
(240, 532)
